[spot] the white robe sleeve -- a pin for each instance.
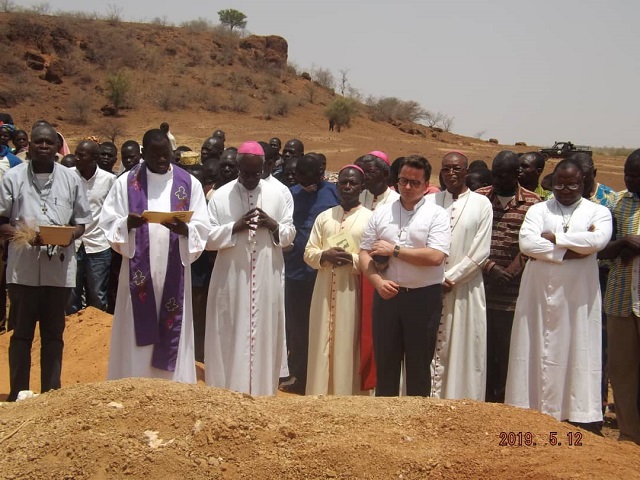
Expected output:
(478, 250)
(113, 220)
(286, 230)
(199, 226)
(531, 243)
(587, 243)
(221, 236)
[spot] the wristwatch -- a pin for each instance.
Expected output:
(396, 250)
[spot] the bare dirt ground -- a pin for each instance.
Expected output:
(104, 430)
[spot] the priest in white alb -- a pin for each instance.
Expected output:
(245, 345)
(152, 332)
(555, 355)
(459, 366)
(333, 366)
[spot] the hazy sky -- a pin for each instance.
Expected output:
(533, 71)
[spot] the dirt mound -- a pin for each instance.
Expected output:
(152, 428)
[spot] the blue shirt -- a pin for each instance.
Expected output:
(306, 207)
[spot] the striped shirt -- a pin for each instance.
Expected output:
(505, 250)
(617, 299)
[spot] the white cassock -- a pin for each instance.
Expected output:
(126, 358)
(555, 356)
(371, 201)
(245, 343)
(458, 369)
(334, 320)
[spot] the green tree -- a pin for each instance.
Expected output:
(118, 88)
(232, 18)
(340, 112)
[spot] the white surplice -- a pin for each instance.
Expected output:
(334, 320)
(126, 359)
(245, 346)
(458, 369)
(555, 355)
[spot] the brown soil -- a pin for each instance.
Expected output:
(77, 432)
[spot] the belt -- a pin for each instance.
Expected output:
(406, 289)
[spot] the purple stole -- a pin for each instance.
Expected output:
(160, 330)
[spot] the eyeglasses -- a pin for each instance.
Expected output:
(455, 169)
(573, 187)
(405, 181)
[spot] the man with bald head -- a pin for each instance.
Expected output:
(93, 251)
(458, 369)
(40, 276)
(503, 268)
(293, 148)
(531, 167)
(245, 348)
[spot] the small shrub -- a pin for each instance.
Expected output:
(80, 110)
(118, 88)
(278, 105)
(199, 25)
(341, 112)
(311, 92)
(239, 103)
(324, 78)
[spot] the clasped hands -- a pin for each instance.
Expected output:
(337, 256)
(254, 219)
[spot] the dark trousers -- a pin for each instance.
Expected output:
(28, 306)
(199, 303)
(114, 274)
(405, 327)
(297, 298)
(499, 324)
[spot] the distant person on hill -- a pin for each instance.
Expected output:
(130, 155)
(164, 127)
(108, 156)
(40, 276)
(93, 251)
(293, 148)
(152, 332)
(531, 167)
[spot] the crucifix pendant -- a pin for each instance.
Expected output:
(565, 228)
(44, 208)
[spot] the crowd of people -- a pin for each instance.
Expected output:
(279, 275)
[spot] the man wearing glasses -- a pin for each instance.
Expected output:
(402, 253)
(554, 363)
(502, 270)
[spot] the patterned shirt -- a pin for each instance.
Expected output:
(605, 196)
(542, 193)
(505, 250)
(626, 213)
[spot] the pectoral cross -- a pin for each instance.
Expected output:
(44, 208)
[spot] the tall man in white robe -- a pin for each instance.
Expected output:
(245, 344)
(333, 366)
(459, 366)
(554, 361)
(152, 333)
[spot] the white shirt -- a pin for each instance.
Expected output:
(427, 225)
(96, 188)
